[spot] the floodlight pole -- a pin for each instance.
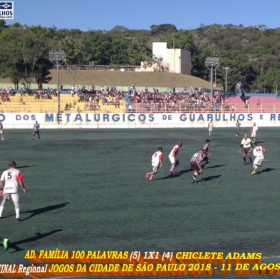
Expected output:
(55, 57)
(213, 63)
(211, 85)
(58, 92)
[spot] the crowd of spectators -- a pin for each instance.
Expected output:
(39, 93)
(94, 98)
(178, 100)
(192, 99)
(6, 93)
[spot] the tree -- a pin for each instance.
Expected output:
(41, 72)
(26, 46)
(2, 25)
(98, 46)
(11, 65)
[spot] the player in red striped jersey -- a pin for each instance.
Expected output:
(173, 157)
(157, 158)
(258, 152)
(253, 131)
(10, 181)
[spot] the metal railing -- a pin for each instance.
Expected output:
(193, 108)
(51, 106)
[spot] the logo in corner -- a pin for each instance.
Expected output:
(6, 10)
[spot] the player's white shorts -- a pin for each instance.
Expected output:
(172, 159)
(14, 196)
(1, 131)
(254, 134)
(155, 163)
(258, 161)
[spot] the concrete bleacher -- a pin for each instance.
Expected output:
(32, 105)
(103, 107)
(267, 104)
(29, 105)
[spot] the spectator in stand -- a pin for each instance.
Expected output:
(21, 101)
(72, 91)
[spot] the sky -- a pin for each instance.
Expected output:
(141, 14)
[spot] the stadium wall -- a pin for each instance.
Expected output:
(133, 120)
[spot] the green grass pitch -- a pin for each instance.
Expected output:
(87, 191)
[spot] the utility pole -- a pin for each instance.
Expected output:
(226, 68)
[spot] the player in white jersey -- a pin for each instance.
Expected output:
(173, 157)
(246, 143)
(11, 180)
(210, 127)
(157, 158)
(258, 152)
(254, 130)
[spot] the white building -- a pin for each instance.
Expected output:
(172, 60)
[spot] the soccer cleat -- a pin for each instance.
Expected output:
(151, 179)
(245, 163)
(254, 172)
(194, 179)
(172, 173)
(6, 244)
(18, 219)
(147, 175)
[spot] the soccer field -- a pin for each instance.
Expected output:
(87, 191)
